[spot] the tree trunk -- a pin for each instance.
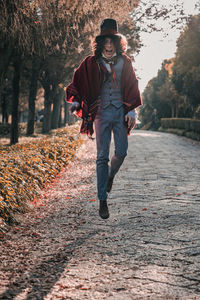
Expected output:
(67, 119)
(60, 122)
(56, 108)
(177, 106)
(4, 107)
(47, 108)
(32, 96)
(7, 47)
(14, 132)
(173, 110)
(4, 63)
(65, 113)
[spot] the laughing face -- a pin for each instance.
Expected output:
(109, 48)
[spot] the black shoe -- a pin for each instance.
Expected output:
(103, 209)
(109, 184)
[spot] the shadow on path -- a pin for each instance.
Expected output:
(44, 276)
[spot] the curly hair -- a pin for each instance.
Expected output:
(119, 41)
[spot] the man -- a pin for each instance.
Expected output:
(105, 91)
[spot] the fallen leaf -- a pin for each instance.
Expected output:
(16, 228)
(35, 234)
(62, 286)
(92, 200)
(78, 286)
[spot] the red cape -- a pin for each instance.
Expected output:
(86, 84)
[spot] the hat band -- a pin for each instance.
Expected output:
(108, 31)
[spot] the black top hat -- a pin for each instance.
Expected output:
(108, 27)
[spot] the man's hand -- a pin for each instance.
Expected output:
(131, 122)
(75, 107)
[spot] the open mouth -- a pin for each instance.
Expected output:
(109, 51)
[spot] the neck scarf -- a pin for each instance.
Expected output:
(110, 61)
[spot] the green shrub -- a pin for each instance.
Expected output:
(4, 129)
(181, 123)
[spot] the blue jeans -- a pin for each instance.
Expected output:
(108, 120)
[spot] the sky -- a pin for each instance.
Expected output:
(157, 48)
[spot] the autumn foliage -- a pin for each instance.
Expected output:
(28, 167)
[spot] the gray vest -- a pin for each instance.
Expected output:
(111, 93)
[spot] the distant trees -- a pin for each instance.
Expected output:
(41, 42)
(152, 96)
(186, 70)
(14, 40)
(175, 91)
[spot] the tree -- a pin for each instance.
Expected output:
(60, 30)
(33, 87)
(70, 32)
(175, 92)
(15, 40)
(157, 95)
(15, 118)
(186, 70)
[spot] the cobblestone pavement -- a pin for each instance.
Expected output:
(149, 248)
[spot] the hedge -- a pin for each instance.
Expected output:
(5, 128)
(26, 168)
(181, 123)
(182, 126)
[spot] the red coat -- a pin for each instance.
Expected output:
(86, 84)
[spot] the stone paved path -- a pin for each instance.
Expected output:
(149, 248)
